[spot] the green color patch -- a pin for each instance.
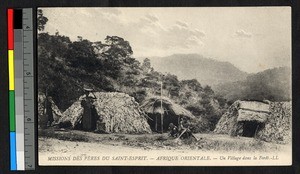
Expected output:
(12, 115)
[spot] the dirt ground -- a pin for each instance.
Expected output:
(204, 142)
(66, 142)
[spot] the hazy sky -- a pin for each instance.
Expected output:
(251, 38)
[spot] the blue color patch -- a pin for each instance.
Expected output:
(13, 151)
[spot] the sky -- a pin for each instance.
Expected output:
(251, 38)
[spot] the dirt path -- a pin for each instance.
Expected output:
(60, 152)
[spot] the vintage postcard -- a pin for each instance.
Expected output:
(169, 86)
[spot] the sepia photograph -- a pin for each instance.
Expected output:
(167, 86)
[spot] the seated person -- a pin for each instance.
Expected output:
(173, 130)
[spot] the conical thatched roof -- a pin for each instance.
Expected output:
(120, 113)
(153, 104)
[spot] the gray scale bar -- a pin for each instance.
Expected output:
(19, 98)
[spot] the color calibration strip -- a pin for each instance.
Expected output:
(12, 127)
(21, 89)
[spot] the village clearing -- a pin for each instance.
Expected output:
(71, 141)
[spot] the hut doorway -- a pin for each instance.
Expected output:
(250, 128)
(155, 122)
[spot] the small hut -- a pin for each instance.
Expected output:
(269, 121)
(163, 111)
(47, 107)
(115, 113)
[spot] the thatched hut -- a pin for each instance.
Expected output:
(269, 121)
(47, 107)
(163, 111)
(116, 113)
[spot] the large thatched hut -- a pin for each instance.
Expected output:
(163, 111)
(114, 113)
(269, 121)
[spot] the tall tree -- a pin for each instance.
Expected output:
(117, 47)
(41, 20)
(146, 66)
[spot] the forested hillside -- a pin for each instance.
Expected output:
(272, 84)
(65, 67)
(207, 71)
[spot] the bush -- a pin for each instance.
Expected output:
(199, 126)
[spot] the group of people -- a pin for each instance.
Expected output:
(182, 131)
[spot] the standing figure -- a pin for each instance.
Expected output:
(49, 112)
(88, 117)
(181, 127)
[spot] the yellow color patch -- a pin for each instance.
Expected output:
(11, 70)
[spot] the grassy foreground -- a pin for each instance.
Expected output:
(205, 142)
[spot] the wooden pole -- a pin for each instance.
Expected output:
(162, 111)
(45, 103)
(44, 121)
(256, 131)
(156, 122)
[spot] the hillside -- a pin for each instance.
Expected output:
(193, 66)
(272, 84)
